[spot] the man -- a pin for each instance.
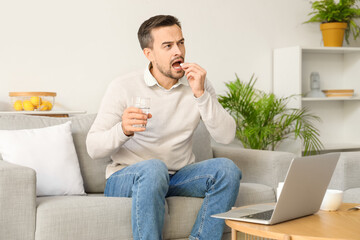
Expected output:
(156, 161)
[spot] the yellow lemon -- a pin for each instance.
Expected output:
(28, 106)
(45, 106)
(50, 106)
(36, 101)
(18, 105)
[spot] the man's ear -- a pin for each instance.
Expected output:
(148, 54)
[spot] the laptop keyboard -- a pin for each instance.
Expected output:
(261, 215)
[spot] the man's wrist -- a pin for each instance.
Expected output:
(128, 134)
(199, 94)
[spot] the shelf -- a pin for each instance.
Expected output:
(330, 49)
(334, 147)
(43, 112)
(341, 146)
(308, 99)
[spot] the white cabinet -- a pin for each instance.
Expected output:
(339, 68)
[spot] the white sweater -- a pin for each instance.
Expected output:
(168, 135)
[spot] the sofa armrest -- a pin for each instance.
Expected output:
(346, 174)
(17, 201)
(257, 166)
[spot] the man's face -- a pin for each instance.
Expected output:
(168, 51)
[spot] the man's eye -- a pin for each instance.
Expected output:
(167, 46)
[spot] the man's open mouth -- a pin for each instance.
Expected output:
(176, 64)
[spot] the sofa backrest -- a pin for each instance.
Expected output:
(93, 171)
(346, 174)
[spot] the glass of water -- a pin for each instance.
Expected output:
(142, 103)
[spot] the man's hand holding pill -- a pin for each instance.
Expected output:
(196, 77)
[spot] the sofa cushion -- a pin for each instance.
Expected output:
(94, 216)
(73, 217)
(346, 174)
(50, 152)
(254, 193)
(352, 195)
(180, 216)
(93, 171)
(202, 143)
(97, 217)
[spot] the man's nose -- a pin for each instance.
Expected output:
(176, 50)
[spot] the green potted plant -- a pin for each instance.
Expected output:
(263, 121)
(337, 18)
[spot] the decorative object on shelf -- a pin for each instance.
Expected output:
(339, 93)
(32, 101)
(263, 121)
(315, 86)
(337, 18)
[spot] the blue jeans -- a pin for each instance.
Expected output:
(148, 182)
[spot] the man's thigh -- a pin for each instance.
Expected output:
(194, 180)
(120, 183)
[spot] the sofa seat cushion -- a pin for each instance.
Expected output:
(254, 193)
(98, 217)
(95, 217)
(352, 195)
(180, 216)
(83, 217)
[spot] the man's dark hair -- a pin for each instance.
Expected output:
(144, 33)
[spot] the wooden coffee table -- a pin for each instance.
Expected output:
(341, 224)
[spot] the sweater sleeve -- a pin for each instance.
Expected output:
(217, 120)
(106, 135)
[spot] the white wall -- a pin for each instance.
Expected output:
(76, 47)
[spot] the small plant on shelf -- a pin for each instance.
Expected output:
(341, 12)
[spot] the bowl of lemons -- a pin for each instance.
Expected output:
(32, 101)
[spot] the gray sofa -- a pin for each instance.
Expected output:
(23, 216)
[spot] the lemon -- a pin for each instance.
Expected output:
(36, 101)
(45, 106)
(18, 105)
(49, 105)
(28, 106)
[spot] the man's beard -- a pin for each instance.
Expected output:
(168, 73)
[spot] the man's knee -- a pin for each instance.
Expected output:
(156, 166)
(228, 168)
(156, 171)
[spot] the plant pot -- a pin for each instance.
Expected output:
(333, 33)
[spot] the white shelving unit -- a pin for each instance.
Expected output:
(307, 99)
(339, 68)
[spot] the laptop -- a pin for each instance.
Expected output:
(304, 188)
